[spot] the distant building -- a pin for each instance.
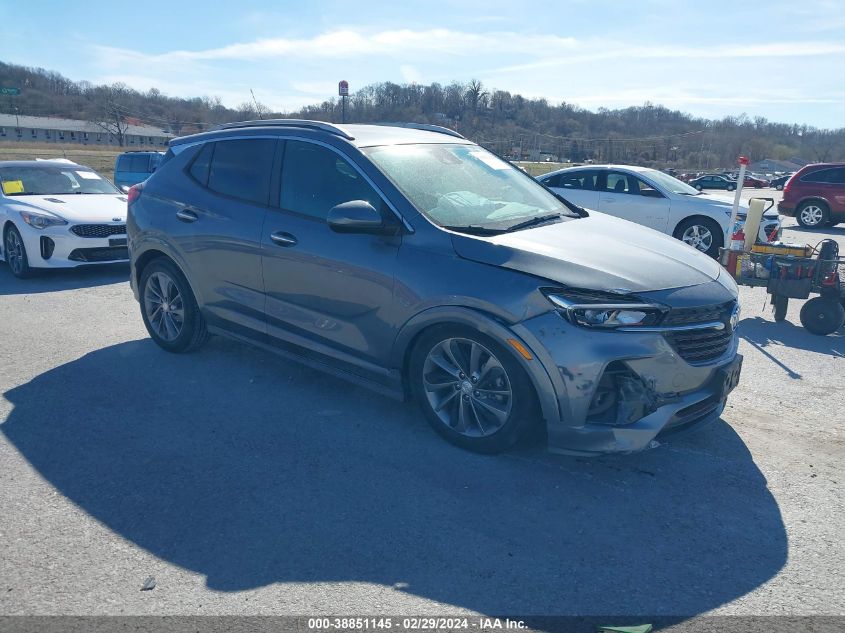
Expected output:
(771, 166)
(37, 129)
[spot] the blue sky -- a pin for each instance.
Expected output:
(781, 60)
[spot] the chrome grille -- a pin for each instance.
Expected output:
(705, 344)
(98, 230)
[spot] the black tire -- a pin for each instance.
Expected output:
(712, 226)
(822, 315)
(817, 210)
(780, 305)
(699, 187)
(779, 187)
(19, 265)
(832, 223)
(193, 332)
(730, 187)
(522, 414)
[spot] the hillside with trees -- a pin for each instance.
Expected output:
(509, 124)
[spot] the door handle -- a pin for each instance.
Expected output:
(283, 239)
(186, 215)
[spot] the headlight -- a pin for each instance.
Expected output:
(605, 312)
(41, 220)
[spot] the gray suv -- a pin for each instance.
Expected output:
(410, 260)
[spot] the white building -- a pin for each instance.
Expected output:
(37, 129)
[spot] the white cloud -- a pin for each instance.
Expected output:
(343, 44)
(410, 74)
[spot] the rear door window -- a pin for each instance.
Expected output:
(825, 176)
(242, 169)
(578, 180)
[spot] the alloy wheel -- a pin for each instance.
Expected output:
(467, 387)
(14, 251)
(812, 215)
(164, 306)
(698, 236)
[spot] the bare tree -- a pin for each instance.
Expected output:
(112, 111)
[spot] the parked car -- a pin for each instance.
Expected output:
(130, 168)
(779, 182)
(755, 182)
(713, 181)
(56, 214)
(656, 200)
(419, 264)
(815, 195)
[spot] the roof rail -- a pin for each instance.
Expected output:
(314, 125)
(427, 127)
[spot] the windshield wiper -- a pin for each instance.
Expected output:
(540, 219)
(474, 230)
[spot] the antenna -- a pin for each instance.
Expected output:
(255, 101)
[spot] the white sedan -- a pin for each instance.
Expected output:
(657, 200)
(56, 214)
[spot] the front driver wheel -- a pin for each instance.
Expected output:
(15, 253)
(169, 309)
(471, 389)
(701, 233)
(730, 187)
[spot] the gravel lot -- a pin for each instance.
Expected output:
(248, 485)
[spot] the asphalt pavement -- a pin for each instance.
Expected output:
(245, 484)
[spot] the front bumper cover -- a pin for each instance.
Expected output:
(684, 395)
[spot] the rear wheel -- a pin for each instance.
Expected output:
(471, 389)
(822, 315)
(780, 305)
(699, 187)
(15, 253)
(169, 309)
(731, 187)
(701, 233)
(812, 214)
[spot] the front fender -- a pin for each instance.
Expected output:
(489, 326)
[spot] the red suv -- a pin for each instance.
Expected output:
(815, 195)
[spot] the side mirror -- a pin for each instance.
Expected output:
(357, 216)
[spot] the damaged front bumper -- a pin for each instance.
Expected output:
(618, 391)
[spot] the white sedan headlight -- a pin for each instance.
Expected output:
(41, 219)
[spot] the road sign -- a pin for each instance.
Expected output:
(343, 88)
(10, 91)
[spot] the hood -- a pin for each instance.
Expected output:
(97, 207)
(728, 202)
(598, 253)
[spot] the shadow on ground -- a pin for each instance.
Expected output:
(54, 280)
(763, 334)
(252, 471)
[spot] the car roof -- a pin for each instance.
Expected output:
(635, 168)
(359, 135)
(822, 166)
(43, 163)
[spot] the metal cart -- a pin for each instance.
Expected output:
(786, 276)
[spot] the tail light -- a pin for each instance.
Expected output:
(133, 194)
(788, 184)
